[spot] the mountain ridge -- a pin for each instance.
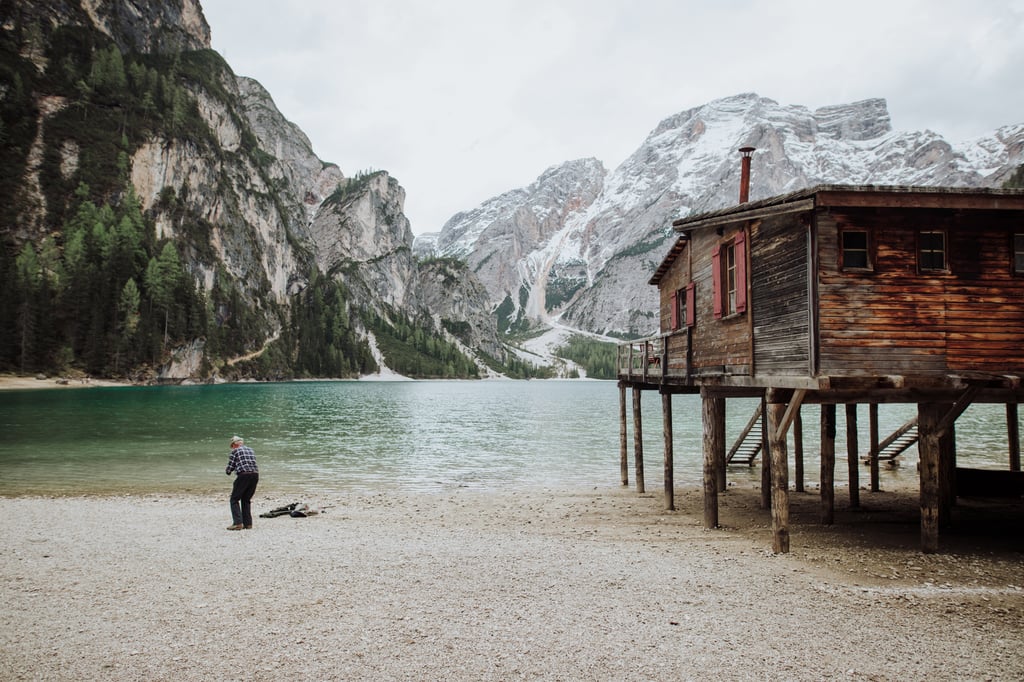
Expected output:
(688, 164)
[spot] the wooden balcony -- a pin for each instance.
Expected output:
(659, 359)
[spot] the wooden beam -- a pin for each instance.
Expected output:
(916, 198)
(791, 411)
(961, 404)
(739, 216)
(666, 420)
(638, 440)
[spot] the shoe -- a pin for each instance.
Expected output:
(237, 526)
(246, 527)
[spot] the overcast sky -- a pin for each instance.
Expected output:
(461, 100)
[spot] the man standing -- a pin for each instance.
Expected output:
(243, 462)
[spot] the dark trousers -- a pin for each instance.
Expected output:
(241, 498)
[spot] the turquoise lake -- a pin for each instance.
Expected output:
(336, 436)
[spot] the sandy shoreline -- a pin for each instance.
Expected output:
(471, 585)
(9, 382)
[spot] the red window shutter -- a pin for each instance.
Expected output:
(740, 246)
(691, 307)
(716, 280)
(675, 310)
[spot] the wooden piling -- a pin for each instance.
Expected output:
(798, 451)
(766, 460)
(623, 439)
(638, 441)
(853, 455)
(873, 451)
(720, 454)
(947, 475)
(1013, 435)
(712, 414)
(928, 417)
(828, 464)
(666, 420)
(780, 477)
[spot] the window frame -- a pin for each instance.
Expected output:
(921, 267)
(729, 276)
(1017, 253)
(868, 250)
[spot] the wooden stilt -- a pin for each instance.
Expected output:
(638, 441)
(852, 454)
(766, 460)
(623, 439)
(720, 454)
(828, 464)
(1013, 432)
(798, 451)
(873, 452)
(780, 477)
(712, 413)
(928, 416)
(666, 420)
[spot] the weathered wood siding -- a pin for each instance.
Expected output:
(676, 278)
(779, 296)
(719, 345)
(677, 343)
(895, 320)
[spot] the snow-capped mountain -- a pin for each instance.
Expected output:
(581, 244)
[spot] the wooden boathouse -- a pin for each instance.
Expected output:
(838, 295)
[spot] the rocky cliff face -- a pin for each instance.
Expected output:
(511, 242)
(613, 239)
(242, 195)
(167, 26)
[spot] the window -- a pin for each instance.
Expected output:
(854, 250)
(729, 276)
(931, 250)
(676, 307)
(729, 253)
(690, 311)
(1018, 254)
(683, 311)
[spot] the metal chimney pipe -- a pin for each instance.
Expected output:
(747, 152)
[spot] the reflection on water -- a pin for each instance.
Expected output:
(335, 436)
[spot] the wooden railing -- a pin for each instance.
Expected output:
(653, 358)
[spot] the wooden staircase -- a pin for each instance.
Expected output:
(893, 446)
(748, 446)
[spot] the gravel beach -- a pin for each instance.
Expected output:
(598, 584)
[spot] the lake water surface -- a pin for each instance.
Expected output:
(418, 435)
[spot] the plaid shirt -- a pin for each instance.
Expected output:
(242, 461)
